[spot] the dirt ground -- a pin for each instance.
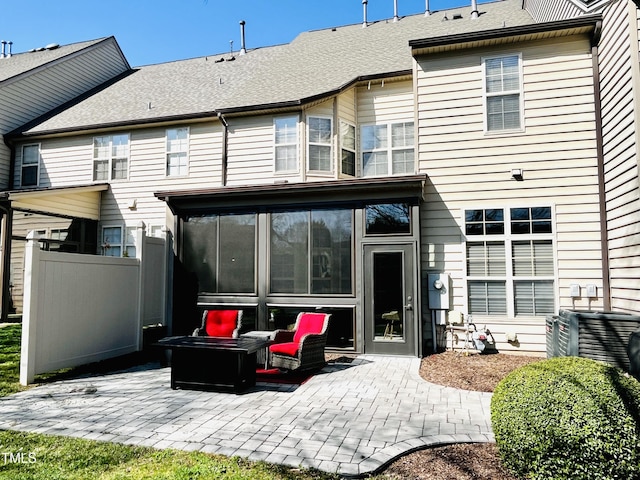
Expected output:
(461, 461)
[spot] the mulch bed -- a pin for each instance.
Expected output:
(474, 461)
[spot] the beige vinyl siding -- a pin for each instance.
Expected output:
(620, 117)
(470, 169)
(250, 150)
(385, 101)
(28, 96)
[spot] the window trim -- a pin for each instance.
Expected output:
(37, 165)
(186, 152)
(389, 149)
(508, 238)
(486, 95)
(330, 145)
(111, 158)
(103, 245)
(342, 147)
(296, 144)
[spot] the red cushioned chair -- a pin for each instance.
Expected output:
(220, 323)
(303, 347)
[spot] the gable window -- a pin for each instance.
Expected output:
(177, 151)
(348, 148)
(503, 93)
(320, 134)
(510, 261)
(286, 144)
(388, 149)
(111, 157)
(30, 165)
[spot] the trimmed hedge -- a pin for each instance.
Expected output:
(568, 418)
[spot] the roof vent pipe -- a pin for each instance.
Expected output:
(364, 13)
(9, 52)
(4, 43)
(243, 49)
(395, 11)
(427, 12)
(474, 9)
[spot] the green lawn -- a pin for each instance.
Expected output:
(47, 457)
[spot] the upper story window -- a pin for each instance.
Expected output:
(348, 148)
(177, 151)
(111, 157)
(320, 135)
(387, 149)
(30, 165)
(503, 93)
(286, 144)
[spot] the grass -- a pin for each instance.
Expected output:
(47, 457)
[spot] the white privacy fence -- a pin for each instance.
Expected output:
(86, 308)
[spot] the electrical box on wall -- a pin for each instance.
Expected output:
(438, 288)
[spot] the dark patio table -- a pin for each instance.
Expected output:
(213, 363)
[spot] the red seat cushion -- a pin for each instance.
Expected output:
(309, 323)
(287, 348)
(221, 323)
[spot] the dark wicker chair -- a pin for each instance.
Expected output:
(220, 323)
(303, 347)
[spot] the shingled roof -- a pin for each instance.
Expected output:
(23, 63)
(314, 65)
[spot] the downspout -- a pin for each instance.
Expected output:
(604, 240)
(225, 149)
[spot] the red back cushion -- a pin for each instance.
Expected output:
(309, 323)
(221, 323)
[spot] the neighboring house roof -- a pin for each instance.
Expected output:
(22, 63)
(314, 65)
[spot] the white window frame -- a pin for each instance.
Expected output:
(508, 238)
(30, 165)
(180, 148)
(106, 244)
(353, 150)
(320, 144)
(486, 95)
(110, 158)
(294, 144)
(387, 148)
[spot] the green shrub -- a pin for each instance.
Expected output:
(568, 418)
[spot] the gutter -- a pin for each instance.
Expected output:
(20, 132)
(502, 33)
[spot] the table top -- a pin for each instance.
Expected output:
(242, 344)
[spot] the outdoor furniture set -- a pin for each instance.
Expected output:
(218, 357)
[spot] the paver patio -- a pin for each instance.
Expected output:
(349, 419)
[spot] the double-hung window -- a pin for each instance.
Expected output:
(388, 149)
(348, 148)
(286, 144)
(510, 261)
(112, 241)
(320, 135)
(503, 93)
(30, 165)
(111, 157)
(177, 151)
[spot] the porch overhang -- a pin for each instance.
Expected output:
(68, 202)
(316, 193)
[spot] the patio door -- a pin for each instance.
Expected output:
(389, 299)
